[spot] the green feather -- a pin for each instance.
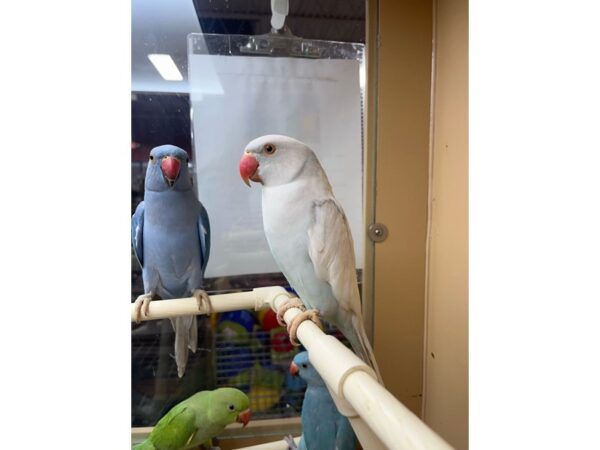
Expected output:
(196, 420)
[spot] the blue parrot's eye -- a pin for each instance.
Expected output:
(269, 149)
(304, 366)
(151, 158)
(231, 407)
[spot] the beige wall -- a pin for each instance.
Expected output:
(402, 130)
(445, 406)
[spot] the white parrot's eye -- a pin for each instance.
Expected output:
(231, 407)
(269, 149)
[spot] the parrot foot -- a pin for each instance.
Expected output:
(294, 302)
(202, 298)
(141, 306)
(291, 445)
(312, 315)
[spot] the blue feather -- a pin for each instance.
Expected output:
(170, 233)
(323, 427)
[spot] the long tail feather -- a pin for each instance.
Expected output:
(185, 338)
(360, 344)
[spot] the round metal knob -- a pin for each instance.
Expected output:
(378, 232)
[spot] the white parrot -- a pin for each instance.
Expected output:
(308, 234)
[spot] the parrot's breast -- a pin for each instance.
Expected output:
(172, 258)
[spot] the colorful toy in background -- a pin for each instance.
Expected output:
(265, 386)
(282, 350)
(253, 354)
(198, 419)
(323, 427)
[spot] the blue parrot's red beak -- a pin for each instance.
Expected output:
(170, 168)
(244, 417)
(294, 369)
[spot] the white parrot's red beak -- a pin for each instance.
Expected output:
(249, 168)
(170, 168)
(244, 417)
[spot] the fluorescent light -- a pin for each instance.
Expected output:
(166, 67)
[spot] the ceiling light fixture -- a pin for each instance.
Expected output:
(166, 67)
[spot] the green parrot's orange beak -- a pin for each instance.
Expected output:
(244, 417)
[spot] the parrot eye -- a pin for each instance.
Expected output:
(269, 149)
(151, 158)
(231, 407)
(304, 366)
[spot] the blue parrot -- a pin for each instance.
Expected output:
(170, 232)
(323, 427)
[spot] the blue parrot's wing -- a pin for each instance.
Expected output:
(345, 439)
(204, 234)
(137, 232)
(318, 420)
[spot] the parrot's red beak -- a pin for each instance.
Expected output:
(294, 369)
(170, 168)
(248, 169)
(244, 417)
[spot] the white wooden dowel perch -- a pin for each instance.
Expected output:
(378, 418)
(256, 299)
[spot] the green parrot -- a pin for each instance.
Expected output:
(198, 419)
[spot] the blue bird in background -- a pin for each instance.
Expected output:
(323, 427)
(170, 233)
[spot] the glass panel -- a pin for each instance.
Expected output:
(246, 349)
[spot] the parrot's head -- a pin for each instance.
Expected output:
(301, 366)
(228, 405)
(168, 169)
(274, 160)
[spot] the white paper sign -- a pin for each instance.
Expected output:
(236, 99)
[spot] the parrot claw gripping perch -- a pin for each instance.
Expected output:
(291, 445)
(202, 298)
(142, 305)
(312, 315)
(294, 302)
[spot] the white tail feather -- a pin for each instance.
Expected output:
(363, 347)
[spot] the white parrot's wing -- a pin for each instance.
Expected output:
(331, 250)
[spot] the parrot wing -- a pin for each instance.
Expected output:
(204, 234)
(345, 438)
(331, 251)
(137, 232)
(175, 430)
